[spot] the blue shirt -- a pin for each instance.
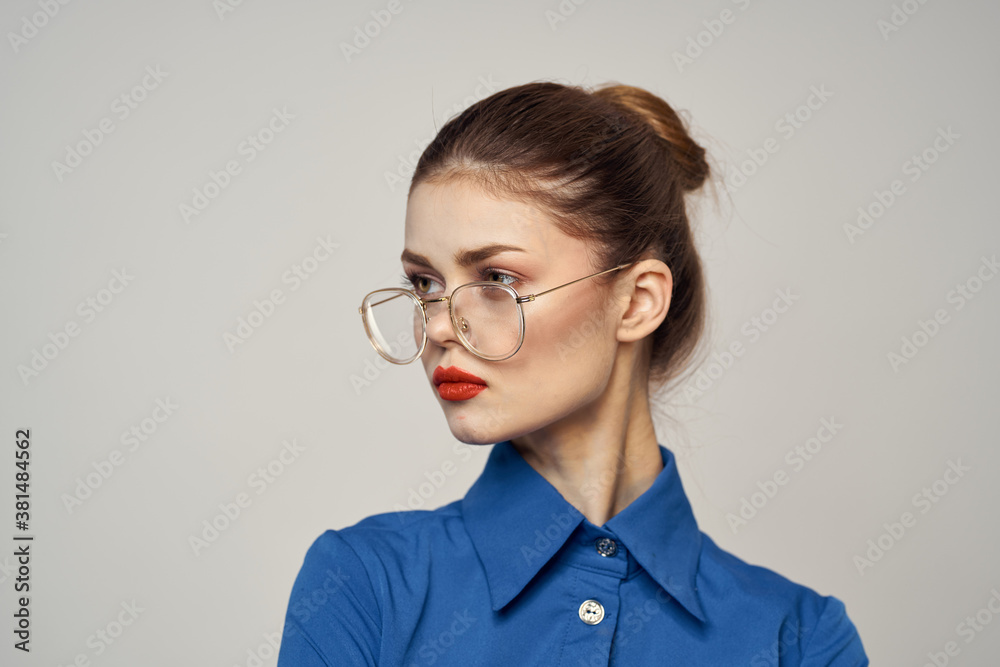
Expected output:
(512, 574)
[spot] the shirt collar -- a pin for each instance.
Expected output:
(517, 521)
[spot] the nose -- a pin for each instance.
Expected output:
(439, 328)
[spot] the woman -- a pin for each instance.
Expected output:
(551, 280)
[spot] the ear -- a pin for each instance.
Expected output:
(646, 287)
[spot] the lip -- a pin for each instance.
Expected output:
(454, 384)
(455, 374)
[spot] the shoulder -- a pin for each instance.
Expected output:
(812, 625)
(388, 538)
(381, 547)
(338, 605)
(722, 572)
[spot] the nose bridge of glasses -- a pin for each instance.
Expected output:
(432, 306)
(440, 306)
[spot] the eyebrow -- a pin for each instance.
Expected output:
(464, 258)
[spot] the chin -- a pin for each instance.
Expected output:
(478, 441)
(474, 427)
(487, 418)
(473, 436)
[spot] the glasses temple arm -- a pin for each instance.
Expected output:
(531, 297)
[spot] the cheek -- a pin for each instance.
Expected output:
(573, 341)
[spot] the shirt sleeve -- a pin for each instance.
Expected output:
(835, 641)
(333, 611)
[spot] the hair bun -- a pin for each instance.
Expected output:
(685, 153)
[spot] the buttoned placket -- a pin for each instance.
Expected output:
(598, 563)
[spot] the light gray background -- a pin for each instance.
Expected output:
(366, 448)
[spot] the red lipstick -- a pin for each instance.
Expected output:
(454, 384)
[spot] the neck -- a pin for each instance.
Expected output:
(603, 456)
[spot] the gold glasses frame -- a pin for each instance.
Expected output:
(366, 304)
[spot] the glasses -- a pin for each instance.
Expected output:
(486, 316)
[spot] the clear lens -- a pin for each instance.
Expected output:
(394, 321)
(487, 317)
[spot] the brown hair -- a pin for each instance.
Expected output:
(610, 165)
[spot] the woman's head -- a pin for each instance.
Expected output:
(580, 182)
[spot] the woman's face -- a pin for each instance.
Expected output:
(570, 342)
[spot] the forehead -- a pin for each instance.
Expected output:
(442, 217)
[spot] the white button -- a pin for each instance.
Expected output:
(591, 612)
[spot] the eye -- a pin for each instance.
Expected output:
(418, 283)
(497, 275)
